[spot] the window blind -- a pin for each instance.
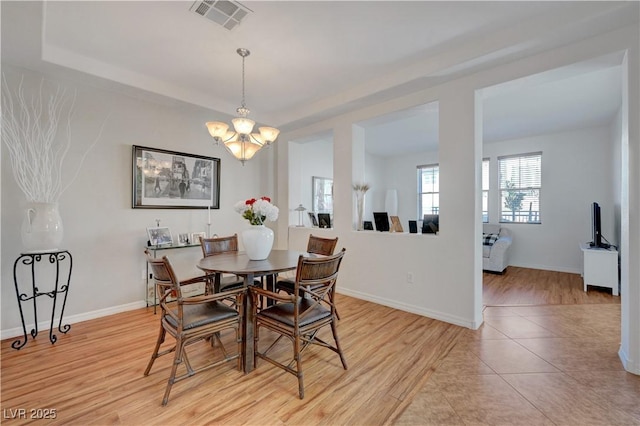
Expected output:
(520, 186)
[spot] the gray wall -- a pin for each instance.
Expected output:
(103, 233)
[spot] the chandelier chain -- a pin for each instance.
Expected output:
(243, 104)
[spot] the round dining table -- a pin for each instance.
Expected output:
(238, 263)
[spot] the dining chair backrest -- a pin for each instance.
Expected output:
(323, 246)
(316, 279)
(166, 280)
(218, 245)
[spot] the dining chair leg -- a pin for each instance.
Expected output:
(298, 357)
(154, 355)
(177, 360)
(335, 337)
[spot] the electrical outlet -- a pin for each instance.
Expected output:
(410, 277)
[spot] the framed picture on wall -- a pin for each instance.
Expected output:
(322, 193)
(174, 180)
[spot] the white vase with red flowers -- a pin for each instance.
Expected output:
(257, 239)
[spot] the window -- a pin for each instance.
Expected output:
(428, 190)
(520, 183)
(485, 190)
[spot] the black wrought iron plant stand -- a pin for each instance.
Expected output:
(31, 259)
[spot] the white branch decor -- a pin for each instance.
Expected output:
(361, 187)
(29, 128)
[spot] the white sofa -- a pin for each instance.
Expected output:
(495, 257)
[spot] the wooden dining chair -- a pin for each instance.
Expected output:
(219, 245)
(315, 245)
(300, 318)
(191, 319)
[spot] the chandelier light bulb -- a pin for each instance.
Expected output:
(243, 125)
(217, 130)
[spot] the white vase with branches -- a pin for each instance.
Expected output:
(29, 131)
(360, 190)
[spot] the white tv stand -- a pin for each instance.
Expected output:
(600, 267)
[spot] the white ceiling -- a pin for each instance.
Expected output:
(309, 59)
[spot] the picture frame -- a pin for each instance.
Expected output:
(324, 220)
(159, 236)
(382, 221)
(368, 225)
(314, 220)
(165, 179)
(322, 194)
(195, 237)
(183, 239)
(396, 226)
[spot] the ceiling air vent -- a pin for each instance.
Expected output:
(227, 13)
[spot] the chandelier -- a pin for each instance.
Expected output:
(241, 143)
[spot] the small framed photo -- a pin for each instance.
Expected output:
(396, 226)
(195, 237)
(324, 219)
(382, 221)
(183, 239)
(314, 220)
(159, 236)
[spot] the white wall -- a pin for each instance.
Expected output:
(374, 167)
(446, 268)
(577, 169)
(103, 233)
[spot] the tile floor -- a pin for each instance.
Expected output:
(533, 365)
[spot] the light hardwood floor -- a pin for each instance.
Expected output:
(526, 365)
(93, 375)
(523, 286)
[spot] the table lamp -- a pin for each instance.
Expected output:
(300, 209)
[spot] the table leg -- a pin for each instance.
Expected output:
(271, 286)
(217, 282)
(248, 342)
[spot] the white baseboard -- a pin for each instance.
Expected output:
(548, 268)
(441, 316)
(629, 365)
(72, 319)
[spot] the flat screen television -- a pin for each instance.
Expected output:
(431, 224)
(596, 228)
